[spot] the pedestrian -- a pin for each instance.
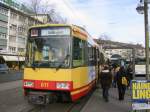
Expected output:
(129, 74)
(121, 79)
(115, 70)
(106, 81)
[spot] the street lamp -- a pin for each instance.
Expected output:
(143, 9)
(140, 8)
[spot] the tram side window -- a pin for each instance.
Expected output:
(78, 52)
(91, 53)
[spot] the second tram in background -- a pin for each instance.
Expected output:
(62, 63)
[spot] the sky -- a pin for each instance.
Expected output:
(116, 18)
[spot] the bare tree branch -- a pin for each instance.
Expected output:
(104, 37)
(44, 7)
(35, 5)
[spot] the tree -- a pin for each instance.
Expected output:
(44, 7)
(104, 37)
(35, 6)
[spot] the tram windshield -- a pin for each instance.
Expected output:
(49, 52)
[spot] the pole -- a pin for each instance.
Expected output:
(133, 62)
(146, 38)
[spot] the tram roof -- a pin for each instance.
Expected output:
(46, 25)
(61, 25)
(89, 38)
(57, 25)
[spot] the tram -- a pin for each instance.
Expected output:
(62, 63)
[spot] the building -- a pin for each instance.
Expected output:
(123, 49)
(14, 24)
(45, 18)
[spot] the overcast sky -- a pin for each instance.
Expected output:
(116, 18)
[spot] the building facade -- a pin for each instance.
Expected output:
(125, 50)
(14, 24)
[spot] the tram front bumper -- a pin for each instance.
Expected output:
(40, 98)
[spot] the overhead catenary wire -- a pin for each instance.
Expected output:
(72, 10)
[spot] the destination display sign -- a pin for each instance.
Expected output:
(140, 94)
(55, 31)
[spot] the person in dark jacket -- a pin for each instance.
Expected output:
(129, 74)
(106, 81)
(121, 87)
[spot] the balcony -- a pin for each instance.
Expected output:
(14, 21)
(21, 45)
(3, 17)
(22, 34)
(3, 30)
(12, 32)
(3, 42)
(12, 44)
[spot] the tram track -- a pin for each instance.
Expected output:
(61, 107)
(77, 106)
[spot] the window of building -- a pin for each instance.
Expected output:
(3, 48)
(13, 27)
(13, 15)
(22, 18)
(12, 49)
(12, 38)
(79, 57)
(21, 40)
(3, 11)
(3, 42)
(31, 22)
(3, 24)
(21, 49)
(21, 29)
(3, 36)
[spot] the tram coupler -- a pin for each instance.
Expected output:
(41, 98)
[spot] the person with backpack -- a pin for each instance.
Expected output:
(106, 81)
(122, 83)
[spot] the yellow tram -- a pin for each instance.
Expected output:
(62, 62)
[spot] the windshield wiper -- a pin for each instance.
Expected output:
(34, 65)
(59, 66)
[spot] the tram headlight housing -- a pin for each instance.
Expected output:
(62, 85)
(28, 84)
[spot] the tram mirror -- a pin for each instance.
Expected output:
(33, 66)
(39, 42)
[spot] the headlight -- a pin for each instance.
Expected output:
(62, 85)
(28, 84)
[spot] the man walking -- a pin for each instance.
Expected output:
(121, 79)
(106, 81)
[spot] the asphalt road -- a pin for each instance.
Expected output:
(12, 100)
(11, 92)
(11, 97)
